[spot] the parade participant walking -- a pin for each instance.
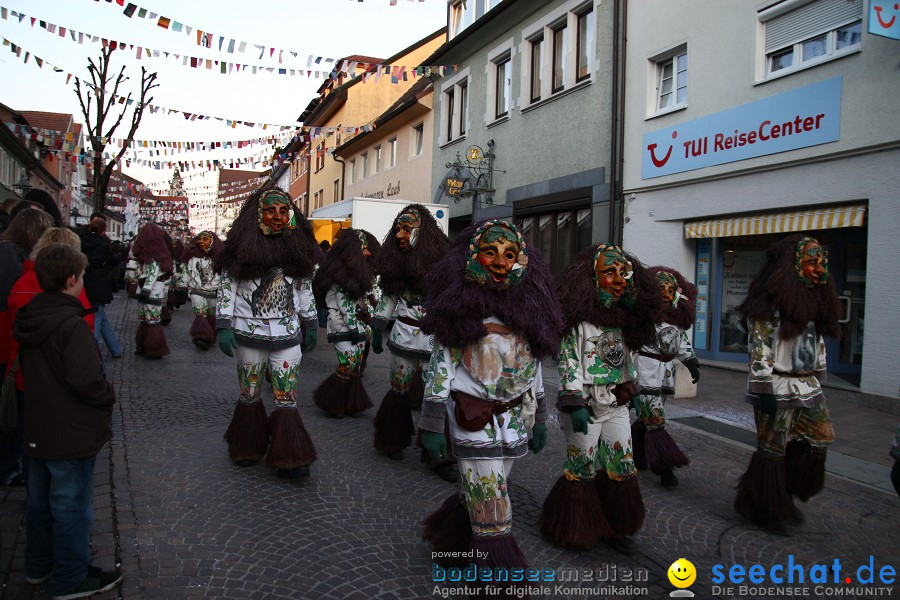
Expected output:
(494, 315)
(653, 446)
(154, 269)
(202, 285)
(610, 303)
(790, 306)
(97, 282)
(264, 299)
(68, 413)
(414, 243)
(343, 284)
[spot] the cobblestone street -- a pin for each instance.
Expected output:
(184, 522)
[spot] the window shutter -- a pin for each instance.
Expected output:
(810, 20)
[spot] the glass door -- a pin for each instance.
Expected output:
(847, 265)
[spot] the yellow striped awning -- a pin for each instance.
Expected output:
(784, 222)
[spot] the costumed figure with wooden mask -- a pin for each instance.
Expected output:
(790, 306)
(653, 446)
(410, 249)
(494, 314)
(153, 269)
(264, 300)
(202, 285)
(343, 284)
(610, 303)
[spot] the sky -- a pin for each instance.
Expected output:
(326, 28)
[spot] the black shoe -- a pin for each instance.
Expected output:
(447, 472)
(295, 473)
(667, 478)
(202, 344)
(623, 545)
(245, 462)
(37, 580)
(398, 455)
(138, 352)
(775, 527)
(96, 581)
(798, 518)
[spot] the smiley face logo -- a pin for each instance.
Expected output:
(882, 20)
(682, 573)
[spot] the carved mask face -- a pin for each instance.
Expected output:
(204, 240)
(408, 230)
(811, 262)
(668, 284)
(496, 255)
(276, 216)
(613, 272)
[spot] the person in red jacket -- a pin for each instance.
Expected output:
(68, 416)
(23, 290)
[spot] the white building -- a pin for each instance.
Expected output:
(748, 123)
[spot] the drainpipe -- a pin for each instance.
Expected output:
(343, 170)
(620, 20)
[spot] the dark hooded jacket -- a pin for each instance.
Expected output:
(68, 402)
(101, 259)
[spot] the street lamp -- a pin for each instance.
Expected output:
(74, 214)
(23, 184)
(481, 164)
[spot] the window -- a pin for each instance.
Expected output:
(585, 45)
(671, 86)
(502, 81)
(320, 157)
(560, 37)
(418, 139)
(537, 67)
(321, 194)
(378, 159)
(799, 34)
(365, 164)
(454, 108)
(316, 201)
(392, 152)
(463, 105)
(462, 14)
(336, 189)
(352, 171)
(450, 100)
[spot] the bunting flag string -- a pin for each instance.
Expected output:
(397, 72)
(18, 50)
(212, 41)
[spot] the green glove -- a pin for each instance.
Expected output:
(768, 404)
(376, 341)
(227, 343)
(311, 340)
(436, 446)
(694, 369)
(580, 420)
(538, 438)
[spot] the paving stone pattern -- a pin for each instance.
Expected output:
(184, 522)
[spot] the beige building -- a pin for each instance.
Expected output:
(349, 103)
(393, 160)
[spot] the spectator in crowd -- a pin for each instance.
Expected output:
(68, 419)
(97, 283)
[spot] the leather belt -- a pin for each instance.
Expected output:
(794, 375)
(496, 407)
(408, 321)
(659, 357)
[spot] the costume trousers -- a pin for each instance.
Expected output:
(484, 483)
(351, 357)
(203, 306)
(402, 371)
(151, 314)
(59, 515)
(606, 447)
(651, 410)
(812, 425)
(283, 366)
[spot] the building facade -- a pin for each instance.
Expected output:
(393, 160)
(768, 119)
(527, 120)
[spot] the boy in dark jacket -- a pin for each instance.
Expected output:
(68, 411)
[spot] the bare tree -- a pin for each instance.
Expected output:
(102, 116)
